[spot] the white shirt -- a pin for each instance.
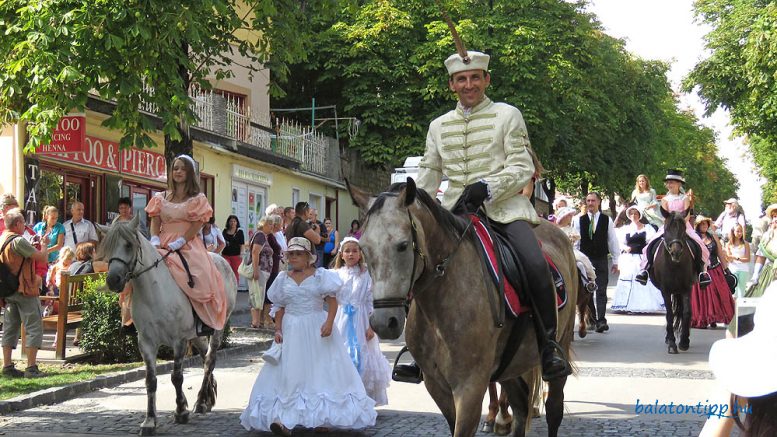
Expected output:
(213, 237)
(85, 231)
(612, 237)
(281, 239)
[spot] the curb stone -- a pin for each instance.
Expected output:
(54, 395)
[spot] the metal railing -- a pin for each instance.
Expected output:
(227, 115)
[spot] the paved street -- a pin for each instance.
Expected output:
(616, 369)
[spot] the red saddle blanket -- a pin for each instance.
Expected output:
(512, 298)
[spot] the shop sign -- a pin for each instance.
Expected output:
(106, 155)
(68, 136)
(251, 175)
(144, 163)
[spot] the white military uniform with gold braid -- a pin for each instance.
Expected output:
(490, 143)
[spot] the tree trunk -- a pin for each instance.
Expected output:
(184, 146)
(613, 205)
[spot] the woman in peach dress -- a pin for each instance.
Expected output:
(177, 216)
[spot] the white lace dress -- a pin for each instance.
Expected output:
(314, 384)
(353, 319)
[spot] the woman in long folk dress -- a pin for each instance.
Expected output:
(713, 304)
(353, 321)
(630, 295)
(177, 216)
(314, 384)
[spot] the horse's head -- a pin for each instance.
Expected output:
(674, 233)
(121, 248)
(389, 243)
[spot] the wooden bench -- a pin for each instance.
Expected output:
(69, 316)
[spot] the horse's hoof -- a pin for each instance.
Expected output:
(182, 418)
(582, 333)
(672, 349)
(502, 429)
(200, 409)
(147, 430)
(488, 427)
(684, 346)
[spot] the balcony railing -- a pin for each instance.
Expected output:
(228, 116)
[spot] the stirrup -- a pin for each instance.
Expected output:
(591, 287)
(410, 373)
(642, 277)
(704, 279)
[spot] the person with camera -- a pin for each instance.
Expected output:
(302, 225)
(22, 306)
(323, 232)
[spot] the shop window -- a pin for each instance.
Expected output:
(294, 197)
(48, 192)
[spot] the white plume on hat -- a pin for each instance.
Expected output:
(477, 61)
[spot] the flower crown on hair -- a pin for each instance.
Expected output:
(348, 240)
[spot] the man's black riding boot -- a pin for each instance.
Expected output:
(554, 364)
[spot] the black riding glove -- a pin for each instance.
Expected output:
(474, 195)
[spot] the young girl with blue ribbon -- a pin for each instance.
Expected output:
(353, 321)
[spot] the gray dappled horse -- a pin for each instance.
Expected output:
(162, 315)
(673, 273)
(450, 326)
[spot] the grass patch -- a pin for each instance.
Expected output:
(56, 375)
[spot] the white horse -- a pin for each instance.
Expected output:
(162, 314)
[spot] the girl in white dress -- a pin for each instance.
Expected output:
(353, 321)
(630, 295)
(645, 198)
(314, 384)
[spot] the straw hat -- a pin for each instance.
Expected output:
(745, 365)
(302, 243)
(701, 219)
(770, 209)
(731, 200)
(474, 61)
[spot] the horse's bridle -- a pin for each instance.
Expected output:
(439, 268)
(131, 274)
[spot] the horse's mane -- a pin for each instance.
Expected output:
(671, 224)
(447, 220)
(120, 233)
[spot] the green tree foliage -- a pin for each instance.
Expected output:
(597, 115)
(740, 75)
(55, 53)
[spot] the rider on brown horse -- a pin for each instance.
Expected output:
(483, 148)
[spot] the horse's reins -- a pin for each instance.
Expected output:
(131, 274)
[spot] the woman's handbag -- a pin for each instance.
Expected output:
(246, 268)
(731, 280)
(273, 354)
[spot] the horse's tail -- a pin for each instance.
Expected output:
(677, 310)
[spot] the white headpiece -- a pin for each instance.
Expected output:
(477, 61)
(348, 240)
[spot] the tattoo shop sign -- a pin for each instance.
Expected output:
(106, 155)
(68, 136)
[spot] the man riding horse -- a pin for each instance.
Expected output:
(483, 148)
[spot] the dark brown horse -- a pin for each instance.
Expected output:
(407, 240)
(673, 273)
